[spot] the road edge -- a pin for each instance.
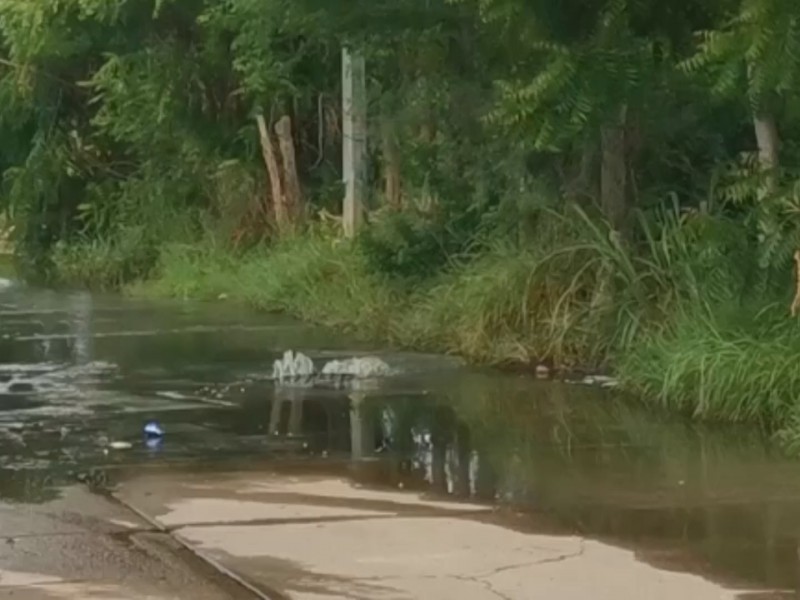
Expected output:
(209, 560)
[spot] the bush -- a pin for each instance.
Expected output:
(417, 244)
(104, 263)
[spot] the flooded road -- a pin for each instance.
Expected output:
(81, 374)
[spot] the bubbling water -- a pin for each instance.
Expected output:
(296, 367)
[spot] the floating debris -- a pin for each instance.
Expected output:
(153, 430)
(601, 380)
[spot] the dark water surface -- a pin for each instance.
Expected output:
(78, 372)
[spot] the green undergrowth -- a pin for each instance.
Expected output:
(102, 264)
(315, 278)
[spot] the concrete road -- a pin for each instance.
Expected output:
(87, 547)
(322, 538)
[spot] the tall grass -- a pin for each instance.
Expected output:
(717, 367)
(724, 349)
(580, 295)
(314, 277)
(105, 263)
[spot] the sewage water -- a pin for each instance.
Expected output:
(80, 372)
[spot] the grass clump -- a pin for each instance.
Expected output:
(104, 263)
(735, 367)
(313, 277)
(511, 306)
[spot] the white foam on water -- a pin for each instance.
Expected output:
(361, 368)
(163, 408)
(26, 464)
(119, 445)
(292, 366)
(39, 337)
(174, 396)
(200, 399)
(49, 410)
(28, 367)
(93, 368)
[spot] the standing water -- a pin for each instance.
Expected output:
(81, 374)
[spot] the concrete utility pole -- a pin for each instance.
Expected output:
(354, 105)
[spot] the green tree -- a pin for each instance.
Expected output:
(753, 56)
(587, 72)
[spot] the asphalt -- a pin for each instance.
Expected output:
(86, 546)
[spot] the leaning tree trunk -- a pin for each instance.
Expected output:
(279, 208)
(287, 197)
(293, 196)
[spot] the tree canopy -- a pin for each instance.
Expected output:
(117, 113)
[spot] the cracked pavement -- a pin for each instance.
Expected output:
(325, 538)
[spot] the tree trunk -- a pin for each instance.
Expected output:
(582, 185)
(391, 167)
(614, 174)
(287, 197)
(276, 185)
(293, 197)
(769, 144)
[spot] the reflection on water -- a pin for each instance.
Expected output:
(78, 372)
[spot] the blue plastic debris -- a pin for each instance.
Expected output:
(153, 430)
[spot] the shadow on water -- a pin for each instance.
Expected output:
(78, 372)
(719, 502)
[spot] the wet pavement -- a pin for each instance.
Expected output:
(657, 498)
(312, 537)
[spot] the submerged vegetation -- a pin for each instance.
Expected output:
(585, 183)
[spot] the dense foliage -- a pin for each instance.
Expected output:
(571, 180)
(116, 112)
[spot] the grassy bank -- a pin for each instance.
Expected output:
(679, 318)
(504, 305)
